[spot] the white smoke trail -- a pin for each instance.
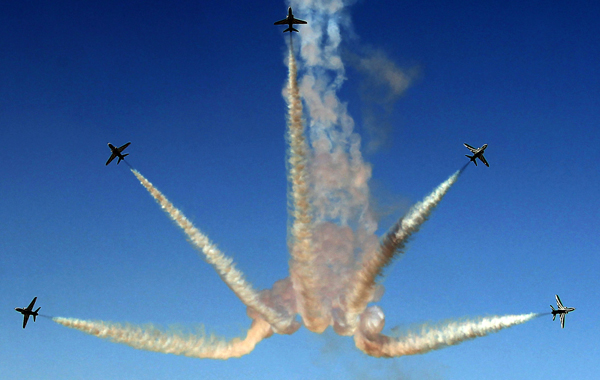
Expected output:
(393, 242)
(152, 339)
(282, 323)
(303, 259)
(369, 340)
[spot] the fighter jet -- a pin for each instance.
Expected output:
(116, 152)
(477, 153)
(28, 311)
(290, 20)
(561, 310)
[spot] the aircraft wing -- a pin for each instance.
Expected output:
(483, 160)
(30, 307)
(562, 321)
(120, 149)
(470, 147)
(112, 157)
(25, 319)
(282, 22)
(296, 21)
(558, 303)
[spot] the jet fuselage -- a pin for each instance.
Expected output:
(562, 311)
(115, 151)
(25, 311)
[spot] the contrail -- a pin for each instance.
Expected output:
(369, 340)
(393, 243)
(223, 265)
(300, 244)
(152, 339)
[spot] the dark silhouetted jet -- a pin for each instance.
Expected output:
(477, 153)
(290, 20)
(28, 311)
(116, 152)
(560, 310)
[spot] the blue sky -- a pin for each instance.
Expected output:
(197, 90)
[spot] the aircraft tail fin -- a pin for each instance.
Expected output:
(35, 315)
(472, 159)
(290, 29)
(122, 157)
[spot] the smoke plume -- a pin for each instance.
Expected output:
(300, 242)
(223, 265)
(152, 339)
(392, 244)
(430, 337)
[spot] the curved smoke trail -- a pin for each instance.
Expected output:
(369, 340)
(303, 258)
(224, 266)
(152, 339)
(393, 243)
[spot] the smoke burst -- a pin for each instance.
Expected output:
(336, 257)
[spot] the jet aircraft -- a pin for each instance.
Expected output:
(28, 311)
(290, 20)
(116, 152)
(560, 310)
(477, 153)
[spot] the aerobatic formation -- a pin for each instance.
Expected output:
(336, 259)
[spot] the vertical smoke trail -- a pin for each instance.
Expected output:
(392, 243)
(223, 265)
(152, 339)
(338, 174)
(369, 340)
(303, 259)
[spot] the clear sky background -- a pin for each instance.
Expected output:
(197, 88)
